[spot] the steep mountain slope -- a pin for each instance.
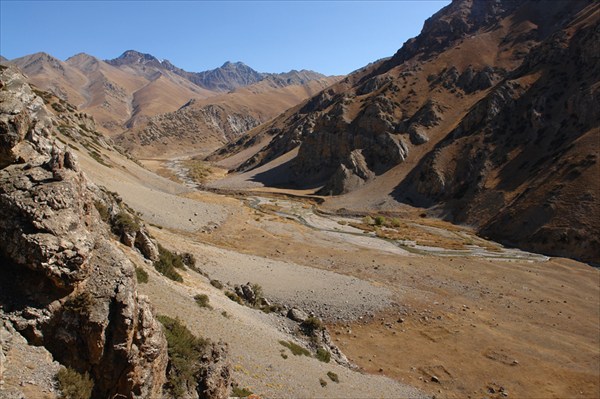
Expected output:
(486, 116)
(201, 126)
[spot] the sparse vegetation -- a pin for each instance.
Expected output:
(234, 297)
(296, 349)
(125, 223)
(203, 301)
(102, 210)
(333, 376)
(198, 170)
(311, 325)
(217, 284)
(380, 220)
(240, 392)
(73, 385)
(142, 275)
(184, 351)
(322, 382)
(167, 263)
(98, 158)
(323, 355)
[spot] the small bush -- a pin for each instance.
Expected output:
(333, 376)
(322, 382)
(311, 325)
(73, 385)
(217, 284)
(240, 392)
(379, 220)
(102, 210)
(167, 262)
(296, 349)
(203, 301)
(396, 222)
(233, 296)
(142, 275)
(323, 355)
(368, 220)
(184, 350)
(125, 223)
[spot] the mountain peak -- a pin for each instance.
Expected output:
(131, 57)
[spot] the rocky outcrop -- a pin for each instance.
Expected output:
(65, 285)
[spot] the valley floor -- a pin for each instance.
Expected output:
(438, 309)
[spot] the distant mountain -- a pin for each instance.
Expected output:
(202, 125)
(125, 91)
(2, 59)
(489, 118)
(229, 76)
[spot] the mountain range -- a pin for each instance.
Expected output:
(122, 92)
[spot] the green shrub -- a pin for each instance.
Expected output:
(379, 220)
(184, 350)
(203, 301)
(102, 210)
(333, 376)
(296, 349)
(125, 223)
(167, 262)
(217, 284)
(240, 392)
(311, 325)
(396, 222)
(142, 275)
(368, 220)
(233, 296)
(73, 385)
(323, 355)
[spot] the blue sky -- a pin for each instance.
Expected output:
(331, 37)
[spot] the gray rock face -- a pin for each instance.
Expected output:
(65, 285)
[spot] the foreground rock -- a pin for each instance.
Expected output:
(65, 285)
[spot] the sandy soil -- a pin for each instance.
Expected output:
(453, 326)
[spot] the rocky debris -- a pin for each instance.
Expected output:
(215, 374)
(297, 315)
(25, 370)
(66, 287)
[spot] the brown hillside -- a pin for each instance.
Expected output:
(489, 114)
(201, 126)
